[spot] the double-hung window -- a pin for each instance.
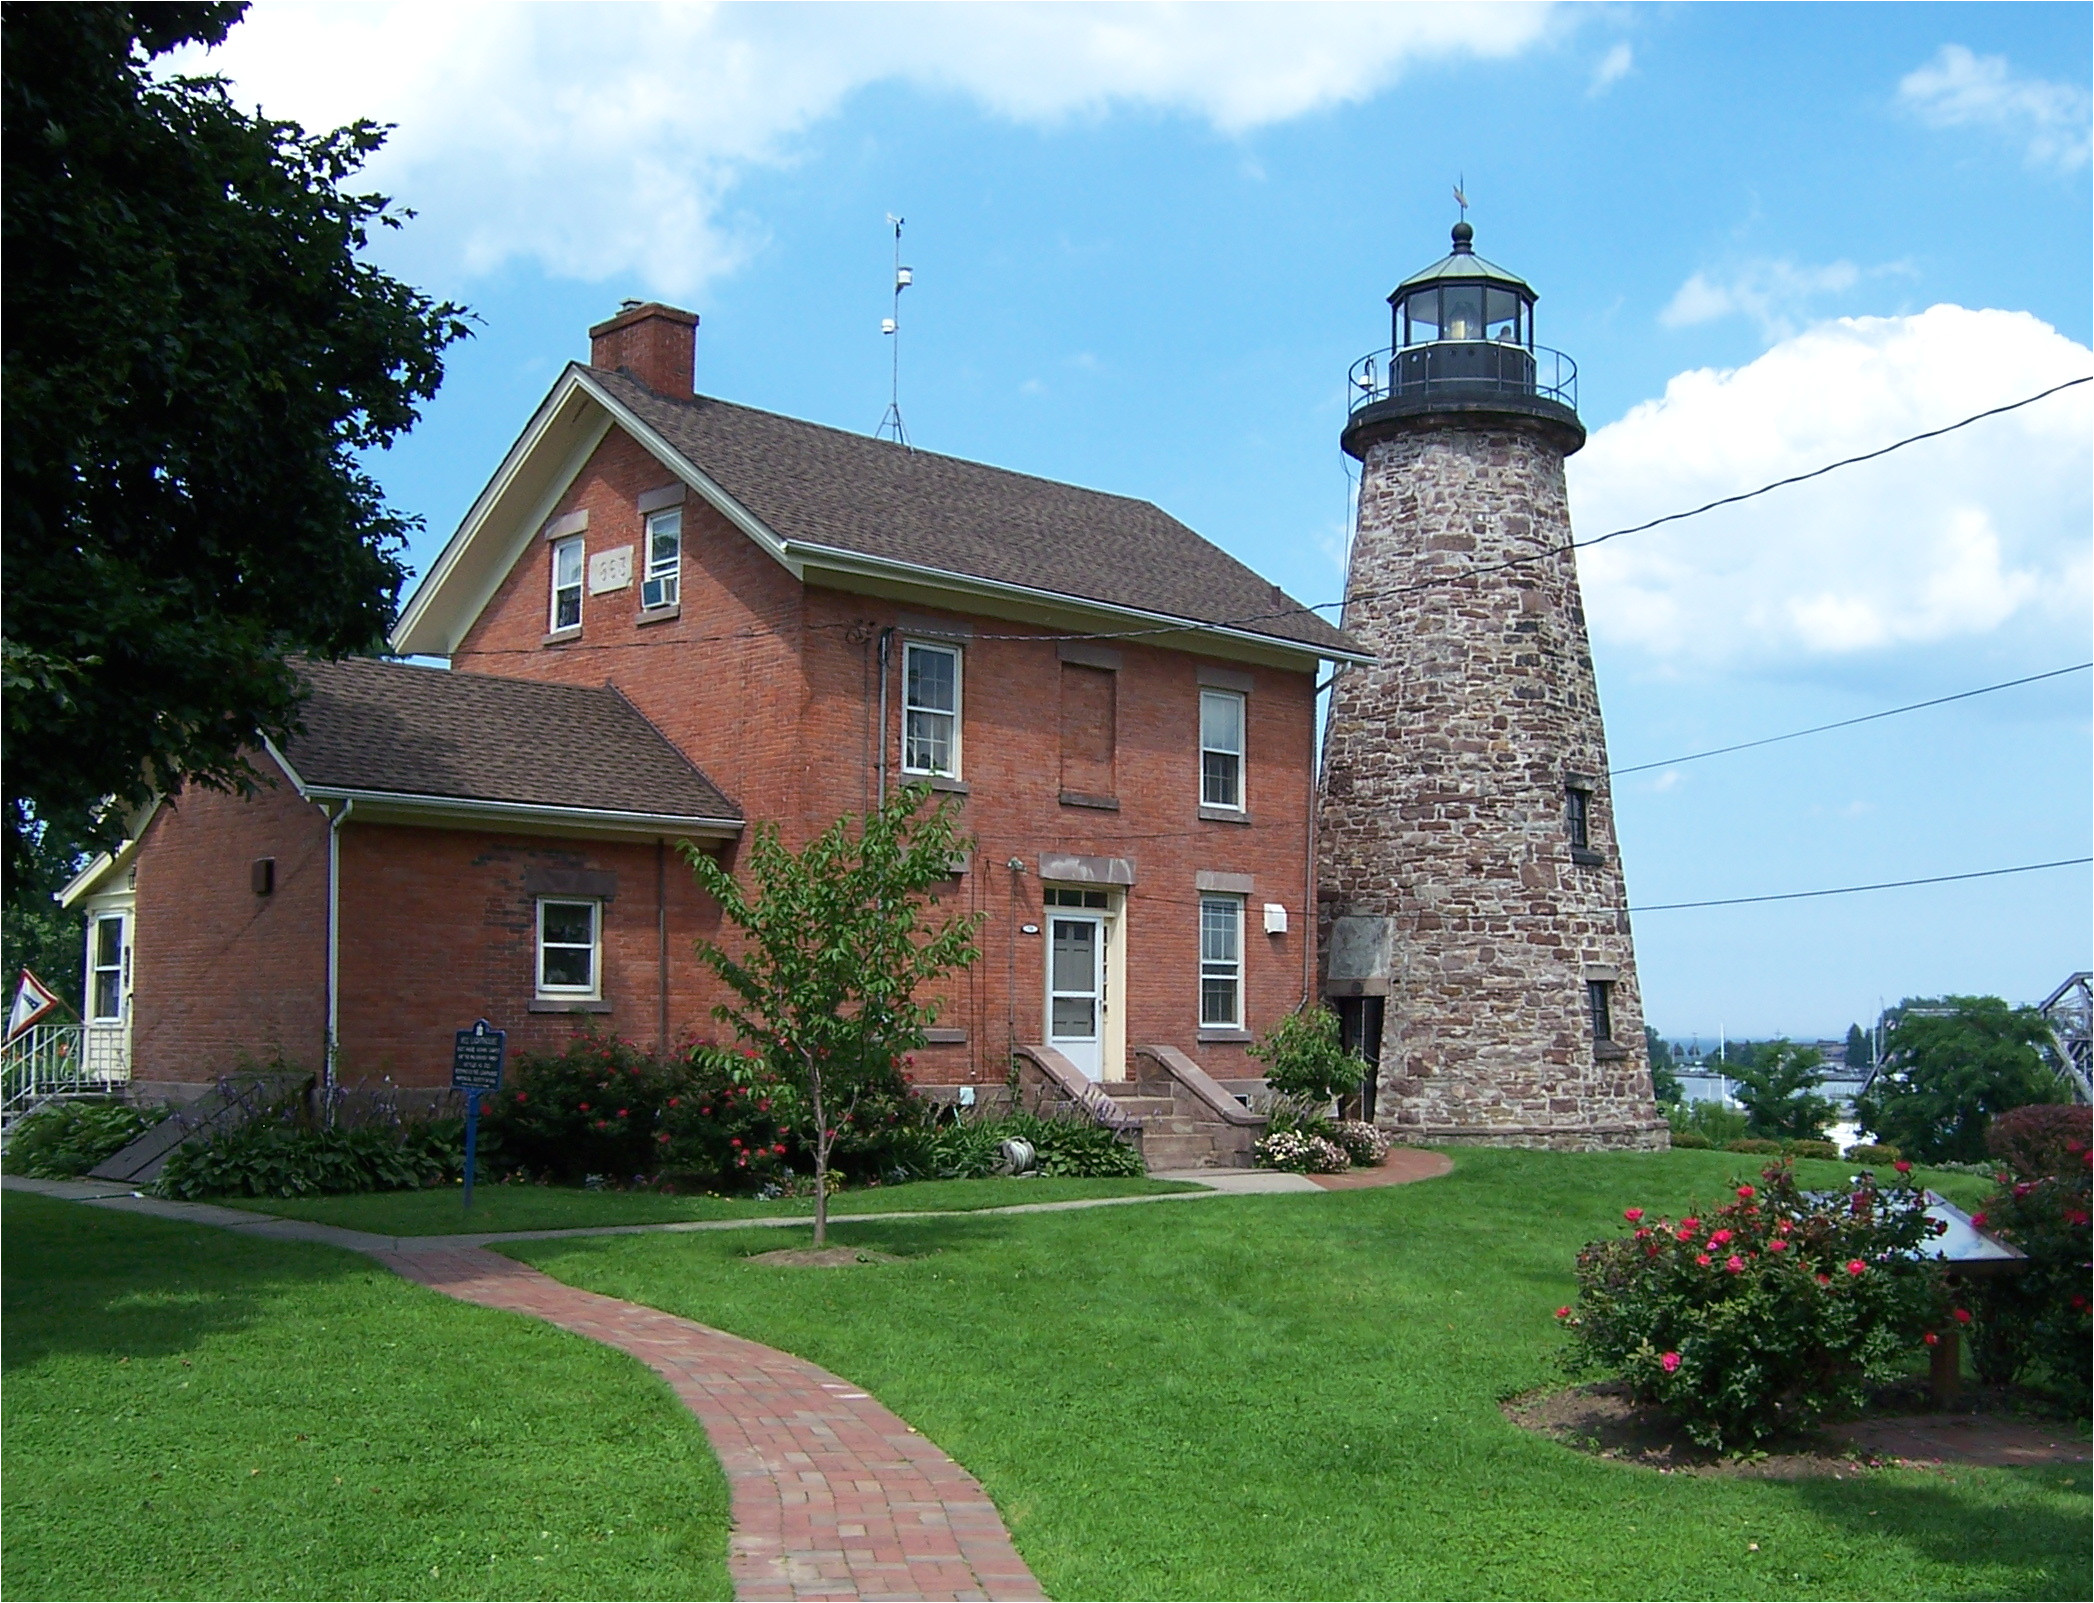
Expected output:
(664, 559)
(570, 949)
(930, 709)
(1221, 962)
(1221, 749)
(567, 584)
(106, 970)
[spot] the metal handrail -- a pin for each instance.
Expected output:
(47, 1062)
(1463, 369)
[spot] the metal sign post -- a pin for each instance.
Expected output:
(476, 1067)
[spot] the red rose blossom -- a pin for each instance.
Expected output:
(1563, 1312)
(1931, 1339)
(1777, 1246)
(1962, 1315)
(1669, 1363)
(1703, 1259)
(1902, 1166)
(1855, 1266)
(1632, 1214)
(1746, 1191)
(1734, 1264)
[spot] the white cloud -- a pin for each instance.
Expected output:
(1776, 294)
(1943, 545)
(1960, 90)
(1613, 67)
(605, 139)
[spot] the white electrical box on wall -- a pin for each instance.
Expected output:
(1275, 919)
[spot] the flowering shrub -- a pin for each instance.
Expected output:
(1763, 1315)
(2039, 1317)
(726, 1123)
(593, 1108)
(1302, 1153)
(1361, 1141)
(1304, 1062)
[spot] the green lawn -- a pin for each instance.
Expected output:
(1297, 1396)
(194, 1414)
(438, 1213)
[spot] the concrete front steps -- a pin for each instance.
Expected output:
(1179, 1115)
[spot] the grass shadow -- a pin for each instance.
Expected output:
(2035, 1531)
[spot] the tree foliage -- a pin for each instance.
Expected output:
(1861, 1050)
(197, 356)
(835, 945)
(1778, 1089)
(1948, 1066)
(1304, 1061)
(1664, 1069)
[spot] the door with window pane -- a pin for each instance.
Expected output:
(1076, 989)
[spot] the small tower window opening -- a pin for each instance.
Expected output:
(1599, 996)
(1221, 749)
(567, 585)
(1577, 817)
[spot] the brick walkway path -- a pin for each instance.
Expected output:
(834, 1497)
(1399, 1168)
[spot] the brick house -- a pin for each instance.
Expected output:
(668, 616)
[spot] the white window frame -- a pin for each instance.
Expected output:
(661, 580)
(912, 710)
(96, 968)
(1241, 703)
(561, 548)
(1219, 968)
(591, 992)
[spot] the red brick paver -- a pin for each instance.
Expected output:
(834, 1497)
(1399, 1168)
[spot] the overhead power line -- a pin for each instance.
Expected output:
(1850, 890)
(1849, 723)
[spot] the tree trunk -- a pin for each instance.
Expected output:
(821, 1160)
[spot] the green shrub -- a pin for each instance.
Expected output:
(1303, 1060)
(1301, 1151)
(1874, 1152)
(278, 1157)
(1692, 1140)
(970, 1148)
(1766, 1315)
(1362, 1142)
(1714, 1120)
(593, 1108)
(1813, 1149)
(1754, 1146)
(2038, 1319)
(66, 1139)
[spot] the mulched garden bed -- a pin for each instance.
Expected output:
(1992, 1426)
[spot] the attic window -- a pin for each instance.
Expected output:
(664, 559)
(567, 584)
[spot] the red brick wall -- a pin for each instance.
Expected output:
(773, 691)
(439, 929)
(218, 972)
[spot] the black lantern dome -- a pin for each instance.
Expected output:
(1462, 341)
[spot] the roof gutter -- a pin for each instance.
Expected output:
(473, 810)
(806, 553)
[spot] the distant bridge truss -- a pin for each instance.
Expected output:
(2070, 1009)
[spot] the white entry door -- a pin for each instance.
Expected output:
(1076, 989)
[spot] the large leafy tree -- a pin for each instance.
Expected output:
(197, 357)
(1861, 1051)
(836, 940)
(1948, 1066)
(1779, 1091)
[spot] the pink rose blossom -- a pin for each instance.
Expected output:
(1632, 1214)
(1669, 1363)
(1734, 1264)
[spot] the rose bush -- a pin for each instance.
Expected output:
(2038, 1319)
(592, 1108)
(1764, 1315)
(1362, 1142)
(1299, 1152)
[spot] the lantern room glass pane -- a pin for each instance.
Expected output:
(1463, 312)
(1421, 314)
(1501, 315)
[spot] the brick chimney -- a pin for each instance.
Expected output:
(657, 344)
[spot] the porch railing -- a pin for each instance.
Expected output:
(50, 1062)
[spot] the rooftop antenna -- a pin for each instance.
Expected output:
(891, 327)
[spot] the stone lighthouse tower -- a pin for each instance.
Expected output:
(1472, 902)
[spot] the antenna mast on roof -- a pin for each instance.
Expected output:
(891, 327)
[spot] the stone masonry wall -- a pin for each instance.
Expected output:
(1443, 806)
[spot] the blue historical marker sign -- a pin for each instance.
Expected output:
(476, 1067)
(476, 1060)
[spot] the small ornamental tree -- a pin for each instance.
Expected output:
(835, 944)
(1778, 1091)
(1304, 1062)
(1763, 1315)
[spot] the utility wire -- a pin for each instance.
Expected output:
(1849, 890)
(1849, 723)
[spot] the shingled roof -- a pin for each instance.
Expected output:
(402, 730)
(850, 492)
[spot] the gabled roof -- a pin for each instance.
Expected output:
(388, 731)
(827, 501)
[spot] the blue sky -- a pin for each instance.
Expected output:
(1148, 241)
